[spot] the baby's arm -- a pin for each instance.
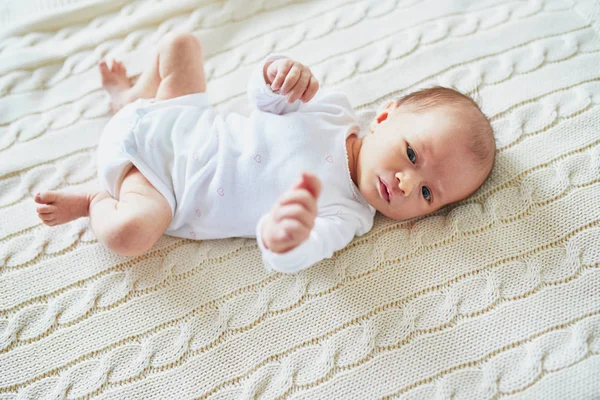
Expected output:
(292, 237)
(281, 84)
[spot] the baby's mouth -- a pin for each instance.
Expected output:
(384, 191)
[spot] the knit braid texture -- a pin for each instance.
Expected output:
(497, 296)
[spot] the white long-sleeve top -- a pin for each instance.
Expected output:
(221, 174)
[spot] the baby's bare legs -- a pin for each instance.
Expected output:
(178, 60)
(131, 225)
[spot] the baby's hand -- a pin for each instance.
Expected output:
(290, 221)
(291, 78)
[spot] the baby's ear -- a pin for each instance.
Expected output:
(391, 105)
(383, 114)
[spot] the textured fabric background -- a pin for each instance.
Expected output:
(495, 297)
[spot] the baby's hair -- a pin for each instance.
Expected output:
(483, 144)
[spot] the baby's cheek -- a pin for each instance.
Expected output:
(424, 208)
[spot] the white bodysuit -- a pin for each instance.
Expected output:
(222, 173)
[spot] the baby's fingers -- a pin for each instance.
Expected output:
(300, 87)
(297, 212)
(291, 79)
(291, 233)
(283, 68)
(311, 90)
(300, 197)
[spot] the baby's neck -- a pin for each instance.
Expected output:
(353, 145)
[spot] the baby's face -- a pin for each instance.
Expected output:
(413, 164)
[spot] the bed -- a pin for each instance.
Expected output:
(497, 296)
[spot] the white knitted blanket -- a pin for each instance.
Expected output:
(495, 297)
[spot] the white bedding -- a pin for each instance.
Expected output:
(498, 296)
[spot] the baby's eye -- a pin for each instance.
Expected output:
(426, 193)
(411, 154)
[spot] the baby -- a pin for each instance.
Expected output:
(170, 164)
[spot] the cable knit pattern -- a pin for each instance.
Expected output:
(496, 296)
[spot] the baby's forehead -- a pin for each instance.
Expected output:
(449, 118)
(446, 109)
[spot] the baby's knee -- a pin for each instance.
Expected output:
(130, 236)
(180, 42)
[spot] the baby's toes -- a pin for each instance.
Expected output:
(45, 209)
(120, 68)
(46, 197)
(103, 70)
(48, 219)
(115, 67)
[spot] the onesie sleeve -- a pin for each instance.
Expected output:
(261, 95)
(328, 235)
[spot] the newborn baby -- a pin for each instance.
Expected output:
(295, 173)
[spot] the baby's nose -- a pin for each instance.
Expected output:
(404, 184)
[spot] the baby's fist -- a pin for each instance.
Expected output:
(291, 78)
(290, 221)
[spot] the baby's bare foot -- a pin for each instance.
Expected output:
(57, 208)
(116, 83)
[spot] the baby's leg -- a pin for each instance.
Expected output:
(176, 69)
(129, 226)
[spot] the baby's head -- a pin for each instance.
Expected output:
(429, 148)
